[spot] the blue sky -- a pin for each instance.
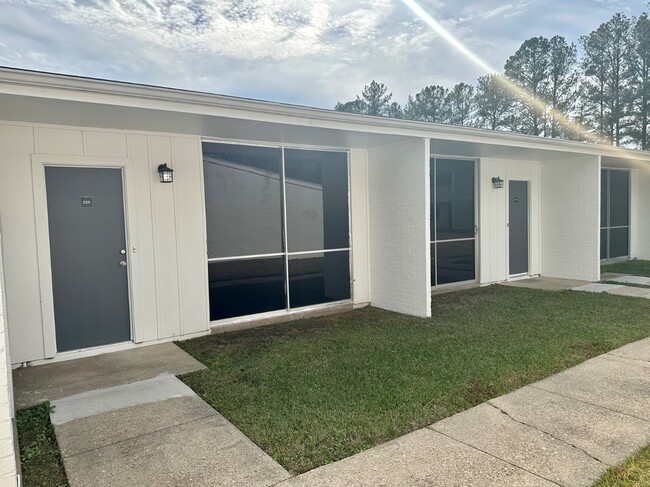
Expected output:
(306, 52)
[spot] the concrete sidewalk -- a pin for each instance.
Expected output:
(155, 432)
(565, 430)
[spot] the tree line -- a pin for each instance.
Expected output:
(600, 89)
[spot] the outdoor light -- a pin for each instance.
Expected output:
(166, 174)
(497, 182)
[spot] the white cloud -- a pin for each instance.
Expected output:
(303, 51)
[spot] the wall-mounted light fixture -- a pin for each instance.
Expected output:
(166, 174)
(497, 182)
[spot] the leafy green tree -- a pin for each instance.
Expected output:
(529, 68)
(428, 105)
(562, 85)
(395, 110)
(606, 77)
(460, 103)
(494, 102)
(374, 100)
(639, 75)
(354, 106)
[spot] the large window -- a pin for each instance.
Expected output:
(614, 213)
(453, 220)
(278, 228)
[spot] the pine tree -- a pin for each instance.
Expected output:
(494, 102)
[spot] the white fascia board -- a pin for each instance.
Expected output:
(72, 88)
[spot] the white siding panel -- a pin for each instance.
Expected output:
(640, 211)
(146, 327)
(108, 144)
(7, 441)
(21, 266)
(164, 244)
(359, 225)
(571, 219)
(59, 141)
(191, 244)
(400, 263)
(493, 216)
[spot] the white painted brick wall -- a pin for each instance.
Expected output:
(640, 210)
(570, 206)
(400, 264)
(7, 440)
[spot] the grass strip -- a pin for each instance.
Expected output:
(39, 452)
(315, 391)
(634, 472)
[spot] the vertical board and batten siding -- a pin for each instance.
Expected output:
(169, 272)
(400, 261)
(570, 238)
(8, 457)
(20, 252)
(493, 216)
(359, 225)
(640, 206)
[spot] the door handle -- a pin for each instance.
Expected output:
(122, 263)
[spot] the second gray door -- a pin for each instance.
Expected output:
(518, 227)
(88, 253)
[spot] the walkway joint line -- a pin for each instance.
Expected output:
(494, 456)
(589, 403)
(503, 411)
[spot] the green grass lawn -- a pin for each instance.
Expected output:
(634, 472)
(318, 390)
(39, 452)
(631, 267)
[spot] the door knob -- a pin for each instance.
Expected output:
(123, 263)
(123, 252)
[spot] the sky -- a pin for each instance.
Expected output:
(312, 53)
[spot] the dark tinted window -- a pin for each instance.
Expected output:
(455, 262)
(246, 287)
(618, 242)
(317, 200)
(454, 199)
(619, 198)
(243, 200)
(319, 278)
(603, 243)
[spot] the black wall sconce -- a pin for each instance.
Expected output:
(166, 174)
(497, 182)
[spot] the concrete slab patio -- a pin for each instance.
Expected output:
(545, 283)
(33, 385)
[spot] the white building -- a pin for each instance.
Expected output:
(274, 210)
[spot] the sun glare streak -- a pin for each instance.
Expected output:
(537, 103)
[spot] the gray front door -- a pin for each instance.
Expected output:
(88, 252)
(518, 227)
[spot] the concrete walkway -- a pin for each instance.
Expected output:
(155, 432)
(629, 286)
(562, 431)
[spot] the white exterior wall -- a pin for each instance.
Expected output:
(640, 209)
(168, 271)
(400, 262)
(493, 217)
(359, 224)
(570, 237)
(8, 457)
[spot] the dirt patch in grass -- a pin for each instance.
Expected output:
(39, 452)
(314, 391)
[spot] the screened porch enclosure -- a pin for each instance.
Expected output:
(453, 221)
(614, 214)
(278, 228)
